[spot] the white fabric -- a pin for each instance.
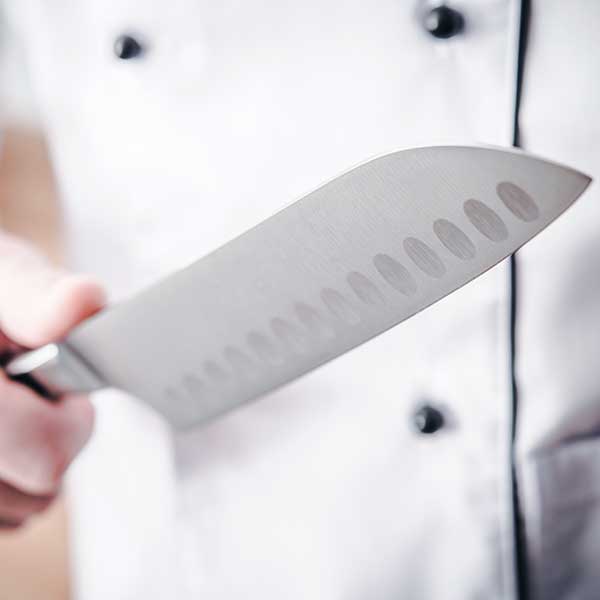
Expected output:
(321, 490)
(17, 105)
(559, 341)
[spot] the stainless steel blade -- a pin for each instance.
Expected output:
(343, 264)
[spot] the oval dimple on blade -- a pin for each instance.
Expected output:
(395, 274)
(263, 348)
(486, 220)
(518, 201)
(355, 257)
(454, 239)
(424, 257)
(339, 306)
(364, 289)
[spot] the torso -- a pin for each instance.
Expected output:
(322, 490)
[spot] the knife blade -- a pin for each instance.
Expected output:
(341, 265)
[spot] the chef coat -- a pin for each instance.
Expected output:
(408, 468)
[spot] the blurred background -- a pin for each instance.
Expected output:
(33, 560)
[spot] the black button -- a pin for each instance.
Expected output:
(127, 47)
(428, 419)
(443, 22)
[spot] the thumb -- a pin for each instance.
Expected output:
(39, 302)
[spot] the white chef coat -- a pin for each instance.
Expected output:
(325, 490)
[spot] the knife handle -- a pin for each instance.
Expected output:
(53, 370)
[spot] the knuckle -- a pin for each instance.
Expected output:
(41, 438)
(86, 416)
(23, 427)
(57, 462)
(42, 503)
(7, 391)
(77, 420)
(62, 433)
(49, 453)
(10, 525)
(24, 507)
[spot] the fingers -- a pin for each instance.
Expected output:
(7, 348)
(39, 439)
(39, 302)
(16, 507)
(9, 525)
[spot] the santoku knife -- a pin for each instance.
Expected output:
(344, 263)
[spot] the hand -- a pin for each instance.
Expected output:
(38, 439)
